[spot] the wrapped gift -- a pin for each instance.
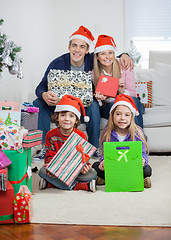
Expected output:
(11, 137)
(70, 159)
(6, 205)
(4, 160)
(3, 179)
(29, 120)
(10, 110)
(23, 205)
(19, 172)
(33, 138)
(123, 166)
(75, 83)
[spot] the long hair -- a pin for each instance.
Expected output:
(98, 70)
(55, 118)
(133, 129)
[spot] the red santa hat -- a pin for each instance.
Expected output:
(83, 34)
(126, 101)
(104, 42)
(72, 104)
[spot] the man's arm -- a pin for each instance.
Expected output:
(126, 61)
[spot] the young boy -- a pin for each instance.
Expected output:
(67, 118)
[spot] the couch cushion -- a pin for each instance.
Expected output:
(157, 116)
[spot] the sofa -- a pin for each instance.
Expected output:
(157, 117)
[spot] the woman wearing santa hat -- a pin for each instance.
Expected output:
(122, 127)
(105, 63)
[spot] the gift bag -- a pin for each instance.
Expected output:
(7, 205)
(4, 160)
(3, 179)
(11, 137)
(19, 172)
(75, 83)
(70, 159)
(123, 166)
(23, 205)
(10, 112)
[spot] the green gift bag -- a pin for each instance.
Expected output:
(123, 166)
(19, 172)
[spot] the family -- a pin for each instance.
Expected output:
(124, 113)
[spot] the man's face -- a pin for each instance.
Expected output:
(78, 49)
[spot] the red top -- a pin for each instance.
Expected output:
(54, 141)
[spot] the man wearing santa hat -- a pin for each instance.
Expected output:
(78, 59)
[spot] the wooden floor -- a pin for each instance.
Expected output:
(78, 232)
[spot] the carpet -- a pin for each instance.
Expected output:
(152, 207)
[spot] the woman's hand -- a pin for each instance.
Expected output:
(121, 86)
(99, 96)
(101, 165)
(86, 168)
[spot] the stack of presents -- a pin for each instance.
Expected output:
(18, 134)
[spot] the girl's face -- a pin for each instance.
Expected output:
(122, 118)
(66, 121)
(106, 58)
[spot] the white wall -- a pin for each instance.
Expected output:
(42, 29)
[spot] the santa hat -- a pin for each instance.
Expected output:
(126, 101)
(83, 34)
(104, 42)
(72, 104)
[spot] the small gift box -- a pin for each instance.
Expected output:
(23, 205)
(6, 205)
(70, 159)
(3, 179)
(33, 138)
(123, 166)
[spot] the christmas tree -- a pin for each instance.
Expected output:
(133, 53)
(8, 55)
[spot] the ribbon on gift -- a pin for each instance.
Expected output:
(123, 154)
(85, 157)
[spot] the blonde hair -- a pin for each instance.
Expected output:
(133, 129)
(98, 70)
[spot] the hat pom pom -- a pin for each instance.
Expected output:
(86, 119)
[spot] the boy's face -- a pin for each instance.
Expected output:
(66, 121)
(78, 49)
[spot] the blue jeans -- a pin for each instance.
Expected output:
(44, 119)
(89, 176)
(141, 110)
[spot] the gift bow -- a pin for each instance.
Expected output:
(123, 154)
(85, 157)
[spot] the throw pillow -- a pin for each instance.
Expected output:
(144, 92)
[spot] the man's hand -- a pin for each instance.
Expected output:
(126, 62)
(50, 98)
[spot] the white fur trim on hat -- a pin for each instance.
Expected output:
(77, 36)
(133, 110)
(60, 108)
(103, 48)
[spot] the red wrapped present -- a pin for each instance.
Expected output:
(3, 179)
(70, 159)
(23, 205)
(6, 205)
(33, 138)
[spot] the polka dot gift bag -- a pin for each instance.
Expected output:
(23, 205)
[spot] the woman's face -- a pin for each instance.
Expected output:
(106, 57)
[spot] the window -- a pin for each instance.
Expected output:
(148, 25)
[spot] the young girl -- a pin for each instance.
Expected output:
(105, 63)
(121, 127)
(67, 118)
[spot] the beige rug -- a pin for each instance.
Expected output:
(152, 207)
